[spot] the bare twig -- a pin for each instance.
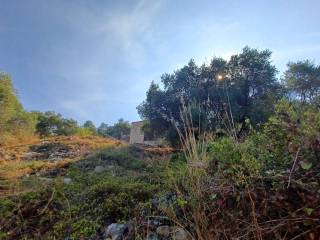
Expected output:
(293, 166)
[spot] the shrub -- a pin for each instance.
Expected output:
(294, 131)
(84, 132)
(234, 160)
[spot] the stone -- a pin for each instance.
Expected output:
(152, 236)
(179, 233)
(29, 155)
(67, 180)
(99, 169)
(163, 231)
(154, 223)
(45, 179)
(116, 231)
(166, 200)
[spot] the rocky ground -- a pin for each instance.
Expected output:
(110, 186)
(100, 189)
(44, 154)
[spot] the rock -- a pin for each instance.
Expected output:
(29, 156)
(99, 169)
(116, 231)
(154, 223)
(52, 172)
(152, 236)
(165, 200)
(163, 231)
(67, 180)
(45, 179)
(179, 233)
(26, 176)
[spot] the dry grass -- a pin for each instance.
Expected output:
(13, 167)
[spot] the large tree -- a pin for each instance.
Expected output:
(119, 130)
(9, 103)
(302, 80)
(221, 94)
(253, 86)
(90, 126)
(52, 124)
(15, 123)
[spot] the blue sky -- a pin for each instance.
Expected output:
(95, 59)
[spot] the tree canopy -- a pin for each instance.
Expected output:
(14, 121)
(119, 130)
(302, 80)
(51, 124)
(224, 93)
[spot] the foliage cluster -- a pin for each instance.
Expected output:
(227, 95)
(15, 123)
(119, 130)
(264, 187)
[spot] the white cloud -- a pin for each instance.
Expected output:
(131, 29)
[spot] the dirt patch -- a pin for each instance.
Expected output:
(47, 154)
(51, 151)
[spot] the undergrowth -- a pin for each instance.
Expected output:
(265, 186)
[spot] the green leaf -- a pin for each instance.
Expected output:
(308, 211)
(305, 165)
(213, 196)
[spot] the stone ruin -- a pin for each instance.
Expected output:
(137, 136)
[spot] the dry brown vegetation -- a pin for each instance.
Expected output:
(25, 159)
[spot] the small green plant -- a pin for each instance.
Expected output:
(234, 160)
(84, 132)
(83, 228)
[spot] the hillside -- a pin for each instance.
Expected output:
(95, 188)
(54, 184)
(49, 153)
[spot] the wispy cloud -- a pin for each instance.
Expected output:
(127, 25)
(132, 30)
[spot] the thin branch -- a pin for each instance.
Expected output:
(293, 166)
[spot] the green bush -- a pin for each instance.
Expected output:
(234, 160)
(293, 130)
(84, 132)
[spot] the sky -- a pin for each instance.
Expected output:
(95, 59)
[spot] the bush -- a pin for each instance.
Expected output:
(234, 160)
(52, 124)
(294, 131)
(84, 132)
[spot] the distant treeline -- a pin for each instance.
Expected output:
(17, 125)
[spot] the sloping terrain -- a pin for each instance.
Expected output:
(76, 187)
(43, 155)
(99, 189)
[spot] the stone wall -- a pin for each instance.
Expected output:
(137, 135)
